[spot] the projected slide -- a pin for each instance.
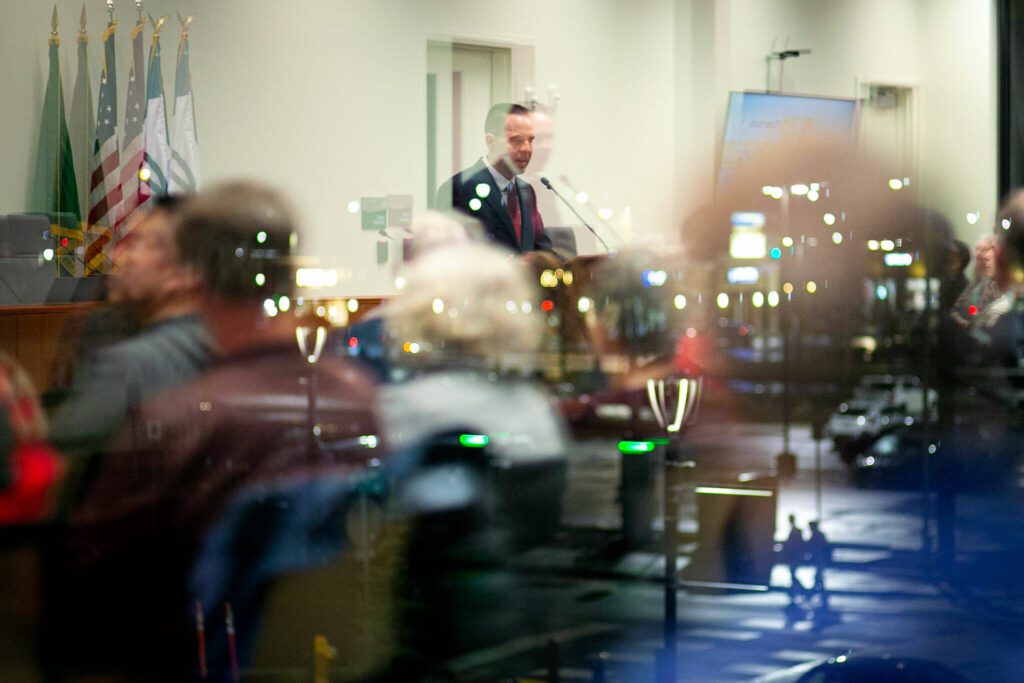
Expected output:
(759, 119)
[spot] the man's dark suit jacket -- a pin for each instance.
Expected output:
(462, 188)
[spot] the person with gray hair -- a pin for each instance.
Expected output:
(486, 447)
(983, 290)
(467, 328)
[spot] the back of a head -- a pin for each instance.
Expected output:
(468, 305)
(495, 122)
(239, 236)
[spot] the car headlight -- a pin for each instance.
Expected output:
(861, 421)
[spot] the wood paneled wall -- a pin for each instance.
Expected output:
(31, 334)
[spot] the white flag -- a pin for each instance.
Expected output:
(184, 141)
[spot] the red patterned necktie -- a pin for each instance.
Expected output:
(512, 198)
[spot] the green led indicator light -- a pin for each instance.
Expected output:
(636, 446)
(473, 440)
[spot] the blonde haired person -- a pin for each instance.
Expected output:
(466, 329)
(484, 446)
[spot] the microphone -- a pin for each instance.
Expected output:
(547, 183)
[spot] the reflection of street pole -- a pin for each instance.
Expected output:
(673, 419)
(817, 475)
(676, 474)
(785, 462)
(667, 669)
(312, 355)
(926, 416)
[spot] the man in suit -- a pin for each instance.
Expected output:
(491, 189)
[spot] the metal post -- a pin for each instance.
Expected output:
(817, 476)
(551, 655)
(598, 669)
(671, 515)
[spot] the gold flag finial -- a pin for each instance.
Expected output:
(53, 22)
(185, 23)
(157, 25)
(83, 36)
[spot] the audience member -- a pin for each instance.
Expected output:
(155, 284)
(263, 413)
(993, 329)
(954, 281)
(983, 290)
(28, 466)
(366, 340)
(468, 322)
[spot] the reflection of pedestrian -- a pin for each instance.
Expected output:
(819, 551)
(793, 554)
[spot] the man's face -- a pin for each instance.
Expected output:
(983, 257)
(149, 272)
(517, 147)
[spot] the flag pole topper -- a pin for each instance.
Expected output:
(157, 25)
(54, 37)
(110, 10)
(83, 35)
(185, 23)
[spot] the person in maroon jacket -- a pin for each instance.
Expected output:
(264, 413)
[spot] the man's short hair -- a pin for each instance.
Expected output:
(239, 236)
(495, 123)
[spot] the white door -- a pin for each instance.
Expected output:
(463, 81)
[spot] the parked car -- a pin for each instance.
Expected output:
(906, 390)
(895, 460)
(858, 422)
(965, 460)
(862, 668)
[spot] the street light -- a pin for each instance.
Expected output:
(674, 403)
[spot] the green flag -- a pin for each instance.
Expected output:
(54, 191)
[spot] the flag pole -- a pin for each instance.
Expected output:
(55, 40)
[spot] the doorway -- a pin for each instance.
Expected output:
(463, 81)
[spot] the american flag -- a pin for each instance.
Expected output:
(105, 183)
(134, 140)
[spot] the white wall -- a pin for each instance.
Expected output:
(959, 111)
(328, 98)
(945, 48)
